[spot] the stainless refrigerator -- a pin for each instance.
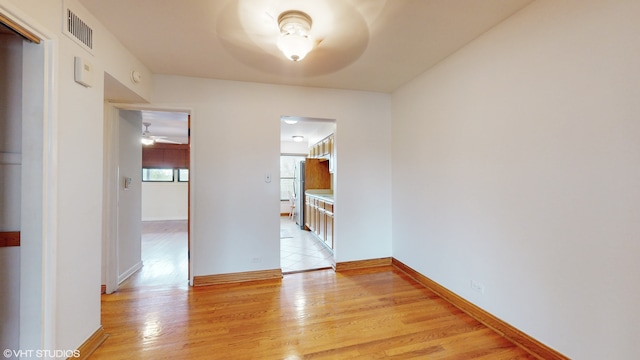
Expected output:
(298, 187)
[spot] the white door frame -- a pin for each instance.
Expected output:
(111, 183)
(39, 185)
(110, 193)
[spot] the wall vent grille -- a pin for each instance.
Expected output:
(79, 29)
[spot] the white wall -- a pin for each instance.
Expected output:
(234, 212)
(129, 198)
(10, 171)
(515, 164)
(75, 136)
(165, 201)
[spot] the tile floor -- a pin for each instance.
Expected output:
(301, 250)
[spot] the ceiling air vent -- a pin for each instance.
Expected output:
(79, 30)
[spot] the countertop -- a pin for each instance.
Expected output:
(322, 194)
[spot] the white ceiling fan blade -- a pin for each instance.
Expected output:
(165, 141)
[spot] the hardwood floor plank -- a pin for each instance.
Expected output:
(164, 256)
(378, 313)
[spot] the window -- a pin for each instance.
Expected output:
(183, 175)
(157, 175)
(289, 165)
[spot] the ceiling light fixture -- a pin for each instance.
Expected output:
(291, 121)
(294, 40)
(298, 138)
(146, 140)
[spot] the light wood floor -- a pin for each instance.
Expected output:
(359, 314)
(164, 255)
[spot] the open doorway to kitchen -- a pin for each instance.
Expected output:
(306, 170)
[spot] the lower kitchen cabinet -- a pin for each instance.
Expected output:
(319, 218)
(328, 238)
(321, 232)
(309, 211)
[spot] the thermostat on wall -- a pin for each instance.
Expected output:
(83, 72)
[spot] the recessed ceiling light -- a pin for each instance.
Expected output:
(298, 138)
(291, 121)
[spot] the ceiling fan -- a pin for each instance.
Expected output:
(148, 139)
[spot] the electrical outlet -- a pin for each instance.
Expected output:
(256, 259)
(477, 287)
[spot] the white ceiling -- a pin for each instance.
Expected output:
(371, 45)
(312, 129)
(171, 126)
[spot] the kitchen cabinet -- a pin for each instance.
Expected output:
(308, 210)
(319, 217)
(331, 153)
(321, 230)
(324, 149)
(328, 237)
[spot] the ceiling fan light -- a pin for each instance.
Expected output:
(146, 141)
(294, 46)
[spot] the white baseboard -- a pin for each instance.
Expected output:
(164, 218)
(132, 270)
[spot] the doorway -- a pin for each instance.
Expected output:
(300, 249)
(29, 188)
(11, 183)
(165, 199)
(151, 211)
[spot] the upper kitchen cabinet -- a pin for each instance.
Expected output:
(324, 149)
